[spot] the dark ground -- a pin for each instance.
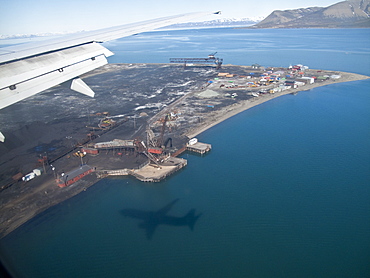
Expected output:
(53, 121)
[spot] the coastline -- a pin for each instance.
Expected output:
(18, 214)
(237, 108)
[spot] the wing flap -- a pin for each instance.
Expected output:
(20, 91)
(22, 70)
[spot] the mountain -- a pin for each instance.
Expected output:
(345, 14)
(223, 22)
(36, 35)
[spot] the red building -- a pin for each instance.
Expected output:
(69, 178)
(92, 151)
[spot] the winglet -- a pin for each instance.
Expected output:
(2, 137)
(79, 86)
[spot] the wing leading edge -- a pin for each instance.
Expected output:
(30, 68)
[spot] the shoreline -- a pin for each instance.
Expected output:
(18, 215)
(237, 108)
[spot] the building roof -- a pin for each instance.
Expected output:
(74, 173)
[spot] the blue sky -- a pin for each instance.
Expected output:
(38, 16)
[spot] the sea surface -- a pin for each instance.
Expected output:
(285, 191)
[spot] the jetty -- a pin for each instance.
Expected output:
(158, 166)
(148, 172)
(155, 173)
(199, 147)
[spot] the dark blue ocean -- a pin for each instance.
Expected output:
(285, 191)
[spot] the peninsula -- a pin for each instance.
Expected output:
(144, 108)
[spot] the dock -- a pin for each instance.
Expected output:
(157, 167)
(148, 172)
(199, 147)
(153, 173)
(210, 60)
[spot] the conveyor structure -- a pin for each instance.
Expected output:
(210, 60)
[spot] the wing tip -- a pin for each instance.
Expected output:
(79, 86)
(2, 137)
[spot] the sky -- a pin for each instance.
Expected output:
(44, 16)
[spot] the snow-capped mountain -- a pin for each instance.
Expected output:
(222, 22)
(36, 35)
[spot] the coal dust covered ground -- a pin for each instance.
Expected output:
(54, 121)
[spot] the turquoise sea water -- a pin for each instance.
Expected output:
(285, 192)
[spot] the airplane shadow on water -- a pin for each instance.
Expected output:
(151, 219)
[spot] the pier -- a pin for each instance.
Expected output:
(148, 172)
(199, 147)
(155, 173)
(157, 166)
(210, 60)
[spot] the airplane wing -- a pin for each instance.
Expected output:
(30, 68)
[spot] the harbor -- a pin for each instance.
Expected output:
(158, 166)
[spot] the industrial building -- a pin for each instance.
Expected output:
(66, 179)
